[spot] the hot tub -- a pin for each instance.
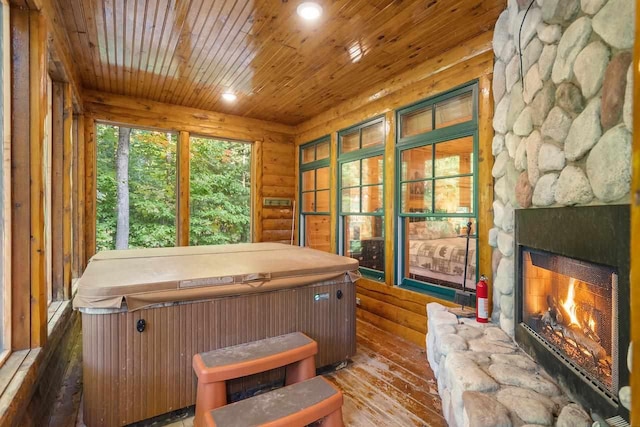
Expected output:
(146, 312)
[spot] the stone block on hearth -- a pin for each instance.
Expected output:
(573, 415)
(519, 360)
(527, 409)
(449, 343)
(486, 346)
(468, 332)
(481, 410)
(497, 334)
(515, 376)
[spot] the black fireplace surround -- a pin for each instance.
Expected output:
(592, 234)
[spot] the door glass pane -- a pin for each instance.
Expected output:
(322, 201)
(322, 151)
(220, 192)
(364, 240)
(455, 110)
(454, 157)
(454, 195)
(417, 122)
(308, 154)
(417, 163)
(350, 174)
(372, 198)
(416, 197)
(372, 170)
(350, 142)
(308, 202)
(317, 232)
(308, 180)
(351, 200)
(322, 178)
(437, 249)
(373, 135)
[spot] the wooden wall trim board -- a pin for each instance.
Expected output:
(119, 109)
(57, 189)
(256, 192)
(90, 188)
(635, 232)
(485, 179)
(20, 182)
(58, 41)
(38, 106)
(184, 146)
(75, 203)
(7, 206)
(80, 191)
(333, 192)
(67, 196)
(389, 197)
(389, 95)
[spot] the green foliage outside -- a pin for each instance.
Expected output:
(220, 190)
(152, 188)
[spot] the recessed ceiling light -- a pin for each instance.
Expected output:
(309, 10)
(229, 96)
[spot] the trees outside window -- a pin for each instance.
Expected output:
(151, 175)
(137, 189)
(220, 192)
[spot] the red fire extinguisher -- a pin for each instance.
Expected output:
(482, 300)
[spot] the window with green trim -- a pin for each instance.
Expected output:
(315, 228)
(437, 192)
(361, 195)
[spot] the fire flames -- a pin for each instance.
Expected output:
(571, 308)
(570, 304)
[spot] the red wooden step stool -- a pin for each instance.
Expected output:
(296, 351)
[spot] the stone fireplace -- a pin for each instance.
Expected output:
(572, 293)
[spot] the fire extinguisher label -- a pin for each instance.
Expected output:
(483, 311)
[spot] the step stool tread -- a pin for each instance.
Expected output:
(277, 404)
(254, 350)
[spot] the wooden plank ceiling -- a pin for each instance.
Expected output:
(283, 69)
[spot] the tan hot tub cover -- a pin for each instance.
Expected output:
(144, 277)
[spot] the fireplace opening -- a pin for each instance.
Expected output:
(571, 299)
(571, 306)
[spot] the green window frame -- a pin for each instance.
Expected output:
(314, 180)
(433, 133)
(355, 156)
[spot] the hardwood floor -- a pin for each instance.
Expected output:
(388, 383)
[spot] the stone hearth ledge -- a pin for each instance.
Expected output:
(485, 380)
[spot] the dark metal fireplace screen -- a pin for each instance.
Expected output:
(572, 299)
(572, 306)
